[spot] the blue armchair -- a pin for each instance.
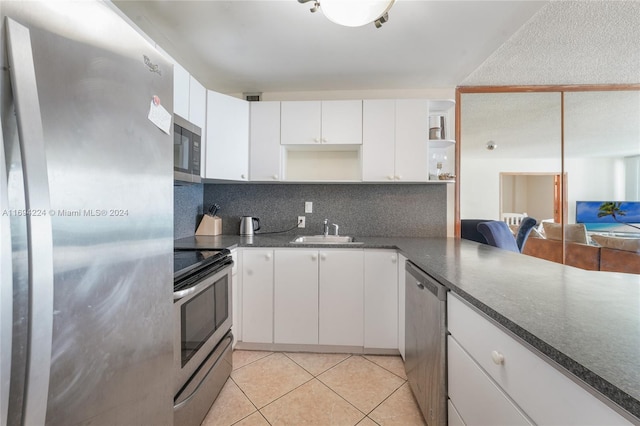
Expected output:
(498, 234)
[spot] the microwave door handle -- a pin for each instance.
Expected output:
(39, 235)
(6, 290)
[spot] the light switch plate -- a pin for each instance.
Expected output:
(308, 206)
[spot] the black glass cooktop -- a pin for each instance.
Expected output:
(186, 262)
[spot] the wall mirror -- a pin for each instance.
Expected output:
(568, 156)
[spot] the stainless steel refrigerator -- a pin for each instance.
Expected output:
(86, 216)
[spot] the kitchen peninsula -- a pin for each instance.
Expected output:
(586, 324)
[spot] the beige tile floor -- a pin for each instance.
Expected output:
(273, 388)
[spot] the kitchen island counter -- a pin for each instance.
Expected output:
(587, 322)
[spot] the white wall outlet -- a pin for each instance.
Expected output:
(308, 206)
(301, 221)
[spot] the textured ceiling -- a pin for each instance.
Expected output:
(569, 42)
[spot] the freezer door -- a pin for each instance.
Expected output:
(39, 238)
(104, 326)
(6, 290)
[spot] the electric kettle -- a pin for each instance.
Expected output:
(248, 225)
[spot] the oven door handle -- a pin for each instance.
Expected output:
(203, 284)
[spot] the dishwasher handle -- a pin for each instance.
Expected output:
(425, 282)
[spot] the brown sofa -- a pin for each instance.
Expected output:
(584, 256)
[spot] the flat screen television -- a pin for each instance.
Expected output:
(609, 216)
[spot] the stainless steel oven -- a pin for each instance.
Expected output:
(202, 331)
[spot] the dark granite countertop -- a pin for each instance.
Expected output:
(587, 322)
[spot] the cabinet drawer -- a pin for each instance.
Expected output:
(545, 394)
(478, 400)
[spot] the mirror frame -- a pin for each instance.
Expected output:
(562, 89)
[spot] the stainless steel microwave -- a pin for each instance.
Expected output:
(186, 151)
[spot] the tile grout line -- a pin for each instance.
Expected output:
(384, 368)
(255, 360)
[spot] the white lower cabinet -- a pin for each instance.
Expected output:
(310, 296)
(257, 295)
(478, 399)
(484, 359)
(381, 299)
(341, 307)
(296, 296)
(453, 415)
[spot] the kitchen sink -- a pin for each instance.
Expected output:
(322, 239)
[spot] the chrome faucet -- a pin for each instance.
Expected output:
(326, 227)
(335, 231)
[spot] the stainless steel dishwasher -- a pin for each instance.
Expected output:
(425, 344)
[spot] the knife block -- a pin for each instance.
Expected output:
(210, 225)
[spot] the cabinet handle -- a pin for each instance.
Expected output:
(249, 271)
(242, 176)
(314, 257)
(267, 256)
(398, 177)
(324, 140)
(316, 140)
(390, 177)
(420, 286)
(275, 177)
(497, 358)
(393, 259)
(323, 256)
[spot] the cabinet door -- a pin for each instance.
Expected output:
(381, 299)
(342, 122)
(227, 147)
(198, 105)
(181, 91)
(412, 134)
(264, 142)
(300, 122)
(378, 140)
(257, 296)
(341, 297)
(296, 297)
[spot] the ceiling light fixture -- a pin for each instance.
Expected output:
(354, 13)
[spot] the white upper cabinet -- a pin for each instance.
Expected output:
(301, 123)
(412, 134)
(378, 140)
(321, 122)
(197, 105)
(181, 83)
(395, 140)
(227, 146)
(264, 142)
(342, 122)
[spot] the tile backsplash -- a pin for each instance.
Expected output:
(187, 209)
(400, 210)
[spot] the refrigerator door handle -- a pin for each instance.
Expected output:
(6, 290)
(39, 230)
